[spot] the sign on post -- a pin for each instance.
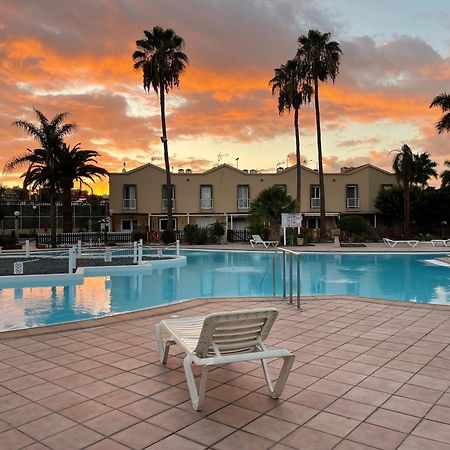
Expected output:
(18, 268)
(108, 255)
(290, 220)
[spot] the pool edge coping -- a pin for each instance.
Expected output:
(181, 306)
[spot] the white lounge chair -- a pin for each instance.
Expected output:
(258, 240)
(222, 338)
(392, 243)
(437, 242)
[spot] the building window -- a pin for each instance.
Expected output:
(129, 196)
(206, 198)
(352, 196)
(162, 222)
(165, 197)
(282, 186)
(130, 224)
(243, 197)
(314, 196)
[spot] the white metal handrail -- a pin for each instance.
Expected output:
(292, 254)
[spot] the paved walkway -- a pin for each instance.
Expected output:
(367, 374)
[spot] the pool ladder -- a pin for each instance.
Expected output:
(287, 254)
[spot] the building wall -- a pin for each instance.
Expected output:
(224, 180)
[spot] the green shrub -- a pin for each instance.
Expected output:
(217, 231)
(190, 233)
(9, 241)
(353, 226)
(168, 236)
(203, 236)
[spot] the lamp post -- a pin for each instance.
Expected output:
(17, 222)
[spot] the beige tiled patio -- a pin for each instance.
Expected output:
(368, 374)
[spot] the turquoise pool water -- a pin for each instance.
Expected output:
(406, 277)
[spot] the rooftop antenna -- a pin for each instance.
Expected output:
(124, 169)
(237, 162)
(220, 156)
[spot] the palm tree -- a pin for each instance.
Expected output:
(405, 168)
(268, 207)
(445, 176)
(293, 91)
(161, 60)
(42, 168)
(425, 168)
(321, 58)
(443, 102)
(75, 165)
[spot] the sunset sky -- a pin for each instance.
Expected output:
(76, 57)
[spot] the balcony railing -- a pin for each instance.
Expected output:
(243, 203)
(352, 203)
(315, 203)
(206, 204)
(129, 203)
(165, 201)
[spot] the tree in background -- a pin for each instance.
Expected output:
(425, 169)
(293, 91)
(42, 169)
(442, 101)
(268, 207)
(321, 58)
(75, 165)
(445, 176)
(162, 61)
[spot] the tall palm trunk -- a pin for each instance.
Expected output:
(53, 216)
(407, 208)
(319, 155)
(67, 206)
(297, 155)
(166, 156)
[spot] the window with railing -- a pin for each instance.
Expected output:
(206, 197)
(243, 197)
(352, 196)
(129, 196)
(314, 196)
(165, 196)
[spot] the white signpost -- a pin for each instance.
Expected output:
(290, 220)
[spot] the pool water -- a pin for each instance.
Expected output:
(406, 277)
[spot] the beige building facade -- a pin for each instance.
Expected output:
(138, 198)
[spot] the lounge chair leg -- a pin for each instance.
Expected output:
(197, 396)
(275, 392)
(163, 350)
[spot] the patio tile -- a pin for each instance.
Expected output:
(376, 436)
(85, 411)
(351, 409)
(111, 422)
(419, 393)
(332, 424)
(11, 401)
(144, 408)
(234, 416)
(140, 435)
(393, 420)
(407, 406)
(107, 444)
(351, 445)
(176, 442)
(316, 400)
(206, 431)
(95, 389)
(270, 428)
(308, 439)
(330, 387)
(118, 398)
(243, 441)
(293, 412)
(174, 419)
(14, 439)
(433, 430)
(75, 438)
(46, 426)
(380, 384)
(147, 387)
(438, 413)
(418, 443)
(369, 396)
(24, 414)
(62, 400)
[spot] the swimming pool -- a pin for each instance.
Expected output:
(406, 277)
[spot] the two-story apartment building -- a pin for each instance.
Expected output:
(138, 198)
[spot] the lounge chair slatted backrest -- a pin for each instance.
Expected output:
(234, 332)
(221, 338)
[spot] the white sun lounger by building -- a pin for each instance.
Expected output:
(258, 240)
(393, 243)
